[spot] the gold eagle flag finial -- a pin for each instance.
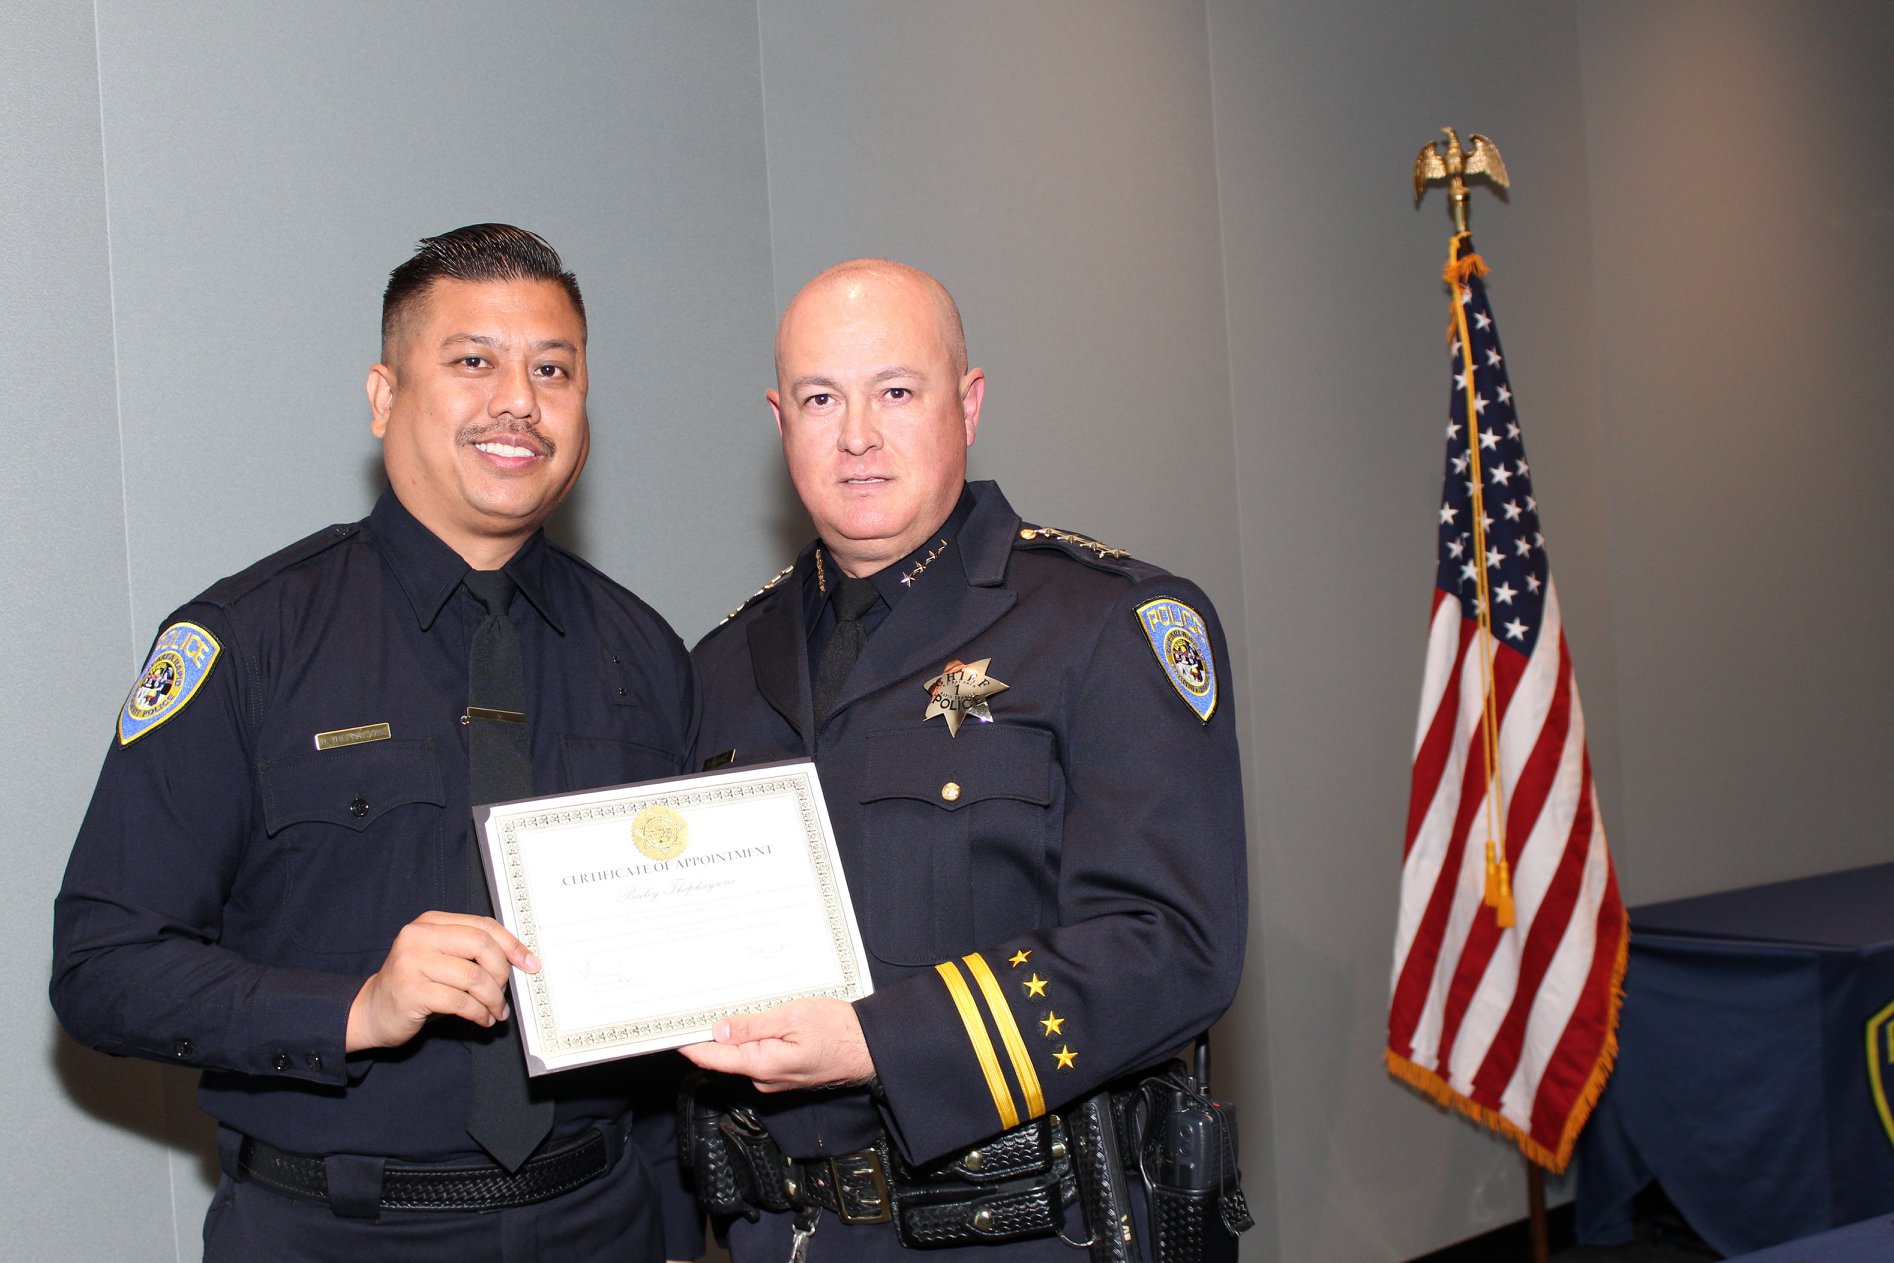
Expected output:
(1455, 164)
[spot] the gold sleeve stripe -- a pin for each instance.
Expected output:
(1009, 1033)
(982, 1043)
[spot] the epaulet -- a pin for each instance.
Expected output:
(567, 554)
(226, 591)
(1085, 550)
(1105, 552)
(780, 575)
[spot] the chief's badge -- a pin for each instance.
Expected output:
(961, 689)
(1182, 644)
(180, 662)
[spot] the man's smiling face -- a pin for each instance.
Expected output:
(481, 411)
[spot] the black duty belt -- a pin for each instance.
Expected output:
(469, 1186)
(1016, 1186)
(852, 1185)
(1159, 1125)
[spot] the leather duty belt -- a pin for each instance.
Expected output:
(852, 1185)
(1019, 1184)
(1015, 1187)
(464, 1187)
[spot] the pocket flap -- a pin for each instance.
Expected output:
(984, 762)
(595, 762)
(352, 787)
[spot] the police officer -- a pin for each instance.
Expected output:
(275, 880)
(1026, 746)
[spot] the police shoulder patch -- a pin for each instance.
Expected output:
(1181, 642)
(180, 663)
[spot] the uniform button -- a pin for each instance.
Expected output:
(951, 791)
(1028, 533)
(282, 1061)
(359, 807)
(341, 530)
(182, 1049)
(314, 1062)
(621, 692)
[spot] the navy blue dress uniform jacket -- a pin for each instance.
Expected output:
(1049, 900)
(233, 885)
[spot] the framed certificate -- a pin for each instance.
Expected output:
(656, 909)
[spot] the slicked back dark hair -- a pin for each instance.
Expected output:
(482, 253)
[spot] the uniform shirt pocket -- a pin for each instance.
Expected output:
(957, 837)
(596, 762)
(358, 837)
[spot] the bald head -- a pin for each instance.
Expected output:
(876, 407)
(860, 281)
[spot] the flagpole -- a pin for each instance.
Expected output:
(1454, 165)
(1535, 1211)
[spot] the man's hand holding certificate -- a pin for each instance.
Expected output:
(659, 910)
(804, 1044)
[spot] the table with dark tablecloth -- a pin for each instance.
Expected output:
(1870, 1241)
(1755, 1063)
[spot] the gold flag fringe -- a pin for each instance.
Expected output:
(1457, 272)
(1460, 270)
(1430, 1084)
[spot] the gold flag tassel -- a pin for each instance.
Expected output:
(1498, 892)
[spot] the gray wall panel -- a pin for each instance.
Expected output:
(77, 1123)
(1744, 157)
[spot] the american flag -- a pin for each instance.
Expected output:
(1511, 943)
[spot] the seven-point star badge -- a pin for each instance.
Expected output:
(961, 689)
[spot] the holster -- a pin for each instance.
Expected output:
(1186, 1153)
(737, 1168)
(1103, 1190)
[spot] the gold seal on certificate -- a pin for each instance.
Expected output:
(729, 899)
(659, 832)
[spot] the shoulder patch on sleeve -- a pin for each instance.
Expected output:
(180, 662)
(1182, 644)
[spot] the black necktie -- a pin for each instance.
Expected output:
(502, 1117)
(851, 598)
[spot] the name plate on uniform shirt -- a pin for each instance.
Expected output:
(658, 908)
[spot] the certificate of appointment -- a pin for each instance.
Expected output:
(656, 909)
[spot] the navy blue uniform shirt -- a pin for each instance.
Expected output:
(1050, 898)
(233, 885)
